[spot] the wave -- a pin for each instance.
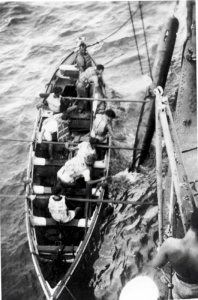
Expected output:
(16, 21)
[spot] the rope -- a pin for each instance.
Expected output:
(169, 281)
(176, 6)
(141, 14)
(113, 32)
(88, 200)
(62, 143)
(191, 149)
(21, 97)
(70, 293)
(13, 140)
(135, 37)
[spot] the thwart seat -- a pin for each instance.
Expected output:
(39, 161)
(41, 221)
(54, 249)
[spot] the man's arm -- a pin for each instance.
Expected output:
(98, 89)
(110, 129)
(161, 258)
(86, 174)
(71, 148)
(112, 133)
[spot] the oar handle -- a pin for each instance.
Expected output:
(98, 180)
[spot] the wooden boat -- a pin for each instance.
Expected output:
(57, 250)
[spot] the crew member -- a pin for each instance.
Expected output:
(103, 125)
(54, 100)
(84, 148)
(56, 128)
(76, 167)
(83, 59)
(58, 208)
(183, 256)
(90, 75)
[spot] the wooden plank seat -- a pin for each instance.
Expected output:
(39, 161)
(48, 257)
(54, 249)
(41, 221)
(41, 190)
(68, 193)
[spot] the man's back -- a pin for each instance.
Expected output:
(182, 254)
(85, 149)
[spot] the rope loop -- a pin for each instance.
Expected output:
(114, 31)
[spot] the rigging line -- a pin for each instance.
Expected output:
(89, 200)
(21, 97)
(62, 143)
(135, 37)
(176, 6)
(169, 280)
(29, 141)
(149, 63)
(13, 140)
(191, 149)
(114, 31)
(70, 293)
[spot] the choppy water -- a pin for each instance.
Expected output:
(35, 37)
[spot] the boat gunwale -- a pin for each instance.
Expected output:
(31, 234)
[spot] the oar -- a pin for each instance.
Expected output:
(91, 182)
(95, 103)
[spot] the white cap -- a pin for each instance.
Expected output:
(141, 288)
(80, 40)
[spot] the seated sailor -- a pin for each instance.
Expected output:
(56, 128)
(76, 167)
(183, 256)
(54, 100)
(102, 125)
(58, 208)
